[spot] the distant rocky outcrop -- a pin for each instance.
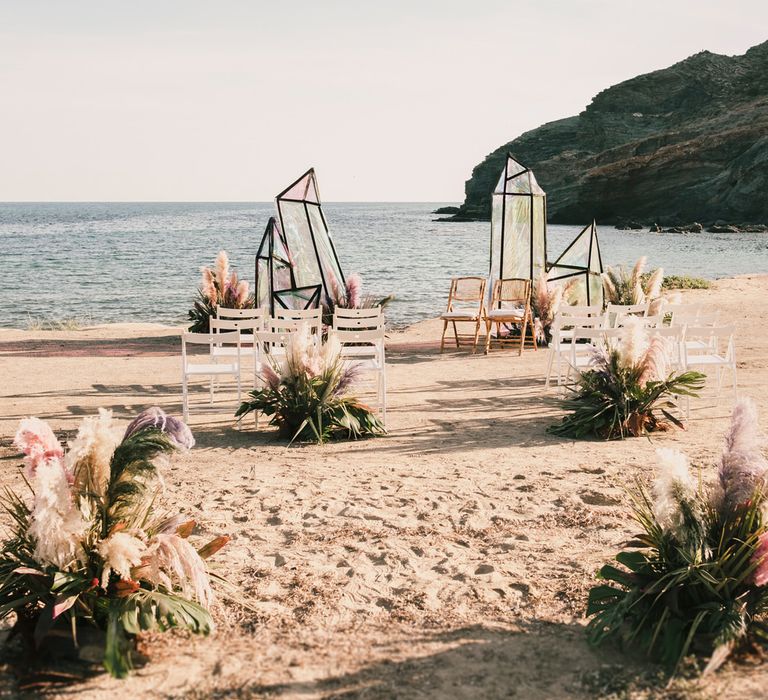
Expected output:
(686, 143)
(446, 210)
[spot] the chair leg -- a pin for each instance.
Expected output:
(456, 334)
(239, 401)
(477, 335)
(488, 325)
(523, 330)
(442, 339)
(184, 397)
(550, 361)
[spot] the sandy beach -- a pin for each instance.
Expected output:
(449, 559)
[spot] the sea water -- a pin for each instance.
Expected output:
(108, 262)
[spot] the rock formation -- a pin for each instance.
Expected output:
(682, 144)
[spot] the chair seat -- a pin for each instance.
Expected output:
(212, 368)
(505, 314)
(707, 360)
(369, 364)
(229, 351)
(460, 315)
(357, 351)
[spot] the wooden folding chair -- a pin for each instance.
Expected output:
(466, 304)
(510, 304)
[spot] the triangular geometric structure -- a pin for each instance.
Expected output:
(582, 259)
(274, 269)
(297, 298)
(307, 240)
(518, 225)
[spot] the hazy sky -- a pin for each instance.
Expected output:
(217, 100)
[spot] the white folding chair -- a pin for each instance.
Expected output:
(711, 346)
(563, 328)
(358, 319)
(210, 368)
(364, 350)
(616, 311)
(246, 327)
(581, 310)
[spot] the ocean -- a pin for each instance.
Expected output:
(139, 262)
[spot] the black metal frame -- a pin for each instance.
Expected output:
(531, 196)
(311, 180)
(579, 270)
(313, 301)
(268, 241)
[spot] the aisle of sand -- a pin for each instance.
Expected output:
(449, 559)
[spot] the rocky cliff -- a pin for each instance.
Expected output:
(686, 143)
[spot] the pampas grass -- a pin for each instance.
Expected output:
(694, 579)
(219, 286)
(632, 287)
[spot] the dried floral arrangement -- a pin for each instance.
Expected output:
(694, 581)
(633, 287)
(90, 546)
(220, 286)
(628, 390)
(352, 297)
(307, 394)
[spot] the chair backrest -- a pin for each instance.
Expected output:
(299, 314)
(699, 320)
(711, 337)
(351, 319)
(675, 337)
(682, 310)
(467, 291)
(601, 334)
(209, 339)
(562, 321)
(268, 340)
(226, 312)
(512, 291)
(372, 340)
(581, 310)
(236, 324)
(288, 325)
(645, 321)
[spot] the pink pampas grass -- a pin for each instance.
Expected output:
(208, 286)
(655, 362)
(653, 288)
(37, 442)
(743, 467)
(354, 290)
(222, 269)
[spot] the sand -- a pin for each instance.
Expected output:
(449, 559)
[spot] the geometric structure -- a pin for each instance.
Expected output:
(275, 276)
(307, 244)
(581, 260)
(518, 225)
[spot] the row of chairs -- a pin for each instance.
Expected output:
(237, 335)
(696, 338)
(510, 304)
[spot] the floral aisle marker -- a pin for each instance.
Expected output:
(697, 581)
(307, 394)
(91, 547)
(628, 389)
(219, 287)
(634, 287)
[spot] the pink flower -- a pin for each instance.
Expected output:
(760, 557)
(38, 443)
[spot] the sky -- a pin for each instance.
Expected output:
(169, 100)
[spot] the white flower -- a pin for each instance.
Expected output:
(673, 485)
(121, 551)
(171, 561)
(56, 524)
(90, 452)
